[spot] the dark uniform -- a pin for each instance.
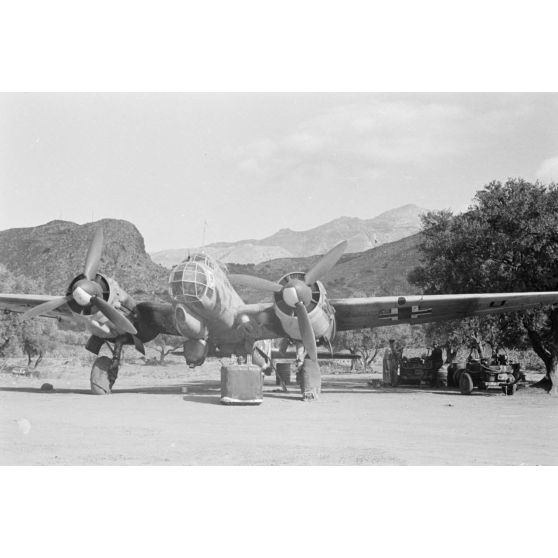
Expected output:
(437, 357)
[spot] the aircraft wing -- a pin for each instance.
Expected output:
(23, 302)
(354, 313)
(322, 355)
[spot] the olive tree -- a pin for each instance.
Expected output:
(506, 241)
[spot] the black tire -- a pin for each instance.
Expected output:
(451, 370)
(283, 372)
(100, 382)
(455, 369)
(441, 379)
(466, 383)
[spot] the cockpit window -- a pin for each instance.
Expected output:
(191, 280)
(204, 259)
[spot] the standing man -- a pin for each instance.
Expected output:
(437, 357)
(390, 364)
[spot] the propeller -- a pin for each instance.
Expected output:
(256, 283)
(87, 292)
(325, 263)
(306, 331)
(93, 258)
(298, 294)
(46, 307)
(118, 319)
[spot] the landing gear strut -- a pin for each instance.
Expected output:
(105, 370)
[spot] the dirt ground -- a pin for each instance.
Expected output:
(149, 421)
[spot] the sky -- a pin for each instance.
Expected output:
(248, 165)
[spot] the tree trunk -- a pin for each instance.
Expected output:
(549, 354)
(4, 346)
(353, 361)
(552, 375)
(39, 358)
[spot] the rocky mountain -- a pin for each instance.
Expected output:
(54, 253)
(380, 271)
(362, 234)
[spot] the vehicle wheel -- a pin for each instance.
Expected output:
(466, 383)
(511, 389)
(100, 383)
(441, 379)
(451, 369)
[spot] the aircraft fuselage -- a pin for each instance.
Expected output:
(199, 287)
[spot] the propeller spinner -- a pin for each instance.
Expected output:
(87, 292)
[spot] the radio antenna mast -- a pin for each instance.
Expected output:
(204, 230)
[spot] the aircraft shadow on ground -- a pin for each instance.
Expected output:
(209, 392)
(198, 389)
(42, 392)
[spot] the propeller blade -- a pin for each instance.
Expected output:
(256, 283)
(93, 258)
(120, 321)
(306, 331)
(263, 355)
(46, 307)
(325, 263)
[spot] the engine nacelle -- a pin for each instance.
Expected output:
(188, 325)
(320, 312)
(195, 352)
(108, 288)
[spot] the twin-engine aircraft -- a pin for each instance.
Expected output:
(207, 312)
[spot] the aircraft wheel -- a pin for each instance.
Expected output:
(100, 383)
(466, 383)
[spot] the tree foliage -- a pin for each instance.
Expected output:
(506, 241)
(367, 343)
(33, 337)
(166, 344)
(507, 238)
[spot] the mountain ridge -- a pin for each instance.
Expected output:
(54, 253)
(361, 234)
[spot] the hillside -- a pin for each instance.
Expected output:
(55, 252)
(362, 234)
(379, 271)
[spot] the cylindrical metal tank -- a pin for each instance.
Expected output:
(241, 384)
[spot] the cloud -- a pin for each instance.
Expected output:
(374, 134)
(548, 170)
(380, 151)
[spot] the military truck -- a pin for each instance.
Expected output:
(423, 370)
(496, 373)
